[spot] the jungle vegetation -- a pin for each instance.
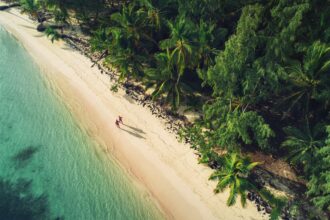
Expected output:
(262, 66)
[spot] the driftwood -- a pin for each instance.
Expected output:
(41, 27)
(104, 54)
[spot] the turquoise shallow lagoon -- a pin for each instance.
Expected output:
(49, 167)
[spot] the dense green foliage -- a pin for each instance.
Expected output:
(264, 67)
(319, 180)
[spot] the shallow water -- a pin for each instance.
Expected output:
(48, 163)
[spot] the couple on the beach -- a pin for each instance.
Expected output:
(118, 121)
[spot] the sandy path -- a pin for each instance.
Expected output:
(166, 168)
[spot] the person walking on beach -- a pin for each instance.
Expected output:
(117, 123)
(120, 119)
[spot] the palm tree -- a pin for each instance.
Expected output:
(310, 79)
(156, 13)
(128, 40)
(152, 14)
(31, 7)
(126, 60)
(181, 43)
(205, 50)
(61, 17)
(36, 9)
(53, 34)
(166, 76)
(130, 25)
(100, 40)
(233, 174)
(303, 143)
(126, 26)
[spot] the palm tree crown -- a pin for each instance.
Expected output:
(233, 174)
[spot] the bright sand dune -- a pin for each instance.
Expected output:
(168, 169)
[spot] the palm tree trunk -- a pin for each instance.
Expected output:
(104, 54)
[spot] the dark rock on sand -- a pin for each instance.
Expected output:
(41, 28)
(5, 7)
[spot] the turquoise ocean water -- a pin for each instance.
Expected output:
(49, 166)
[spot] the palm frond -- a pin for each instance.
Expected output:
(232, 195)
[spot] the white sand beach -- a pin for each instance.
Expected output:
(152, 155)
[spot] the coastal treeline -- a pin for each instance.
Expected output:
(258, 71)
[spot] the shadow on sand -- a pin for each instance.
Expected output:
(133, 133)
(135, 129)
(29, 27)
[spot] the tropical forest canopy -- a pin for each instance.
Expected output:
(259, 71)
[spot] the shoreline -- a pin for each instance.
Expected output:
(168, 169)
